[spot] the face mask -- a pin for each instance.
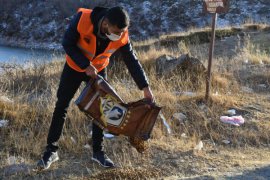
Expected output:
(113, 37)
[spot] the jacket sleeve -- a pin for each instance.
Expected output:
(70, 43)
(134, 66)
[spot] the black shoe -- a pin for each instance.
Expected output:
(101, 158)
(48, 158)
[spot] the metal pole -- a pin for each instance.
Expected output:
(211, 52)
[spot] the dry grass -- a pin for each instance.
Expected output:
(253, 53)
(256, 26)
(32, 92)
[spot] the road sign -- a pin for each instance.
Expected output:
(216, 6)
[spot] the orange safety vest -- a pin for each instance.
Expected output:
(87, 44)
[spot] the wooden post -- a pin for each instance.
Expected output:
(211, 53)
(213, 7)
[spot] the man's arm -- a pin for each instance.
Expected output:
(134, 66)
(136, 70)
(70, 43)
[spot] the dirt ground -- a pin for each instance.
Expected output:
(223, 163)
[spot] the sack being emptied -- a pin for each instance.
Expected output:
(135, 119)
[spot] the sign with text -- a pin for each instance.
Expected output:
(216, 6)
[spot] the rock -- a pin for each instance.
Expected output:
(193, 65)
(231, 112)
(199, 146)
(226, 141)
(237, 111)
(189, 66)
(165, 63)
(183, 135)
(87, 146)
(3, 123)
(180, 116)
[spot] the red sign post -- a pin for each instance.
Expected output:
(213, 7)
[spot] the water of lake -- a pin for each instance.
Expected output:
(22, 55)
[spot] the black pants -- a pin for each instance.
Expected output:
(69, 83)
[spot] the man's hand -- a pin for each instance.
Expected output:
(148, 94)
(91, 71)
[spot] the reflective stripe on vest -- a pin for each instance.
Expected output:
(111, 50)
(85, 51)
(87, 44)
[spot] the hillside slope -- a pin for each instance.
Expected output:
(41, 24)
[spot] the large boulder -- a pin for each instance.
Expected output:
(166, 64)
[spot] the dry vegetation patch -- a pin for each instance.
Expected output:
(32, 93)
